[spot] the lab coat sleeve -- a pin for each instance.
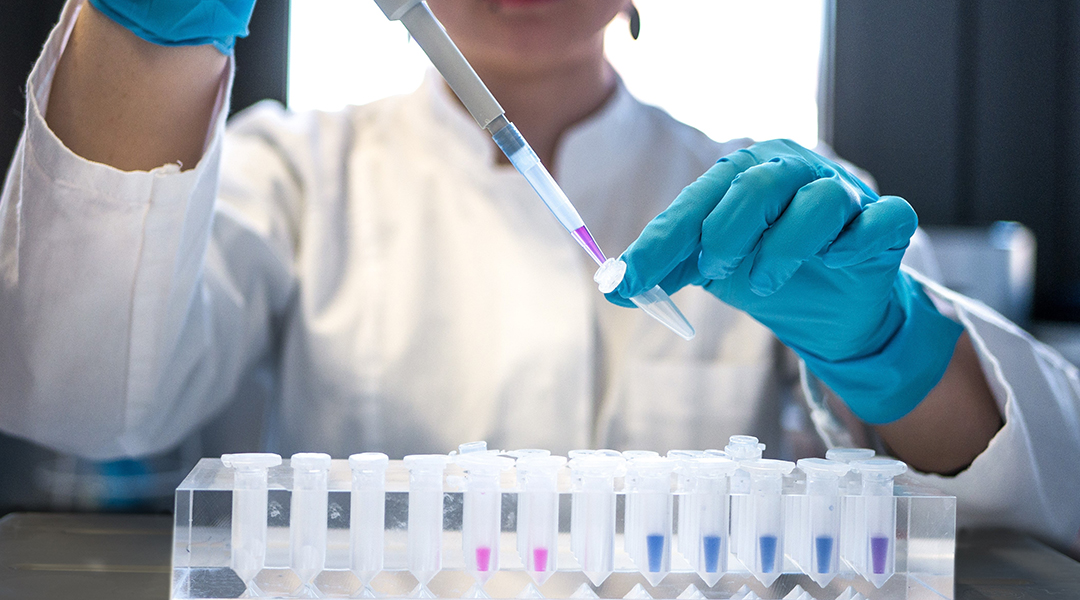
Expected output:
(130, 302)
(1026, 477)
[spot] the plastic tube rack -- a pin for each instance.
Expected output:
(526, 524)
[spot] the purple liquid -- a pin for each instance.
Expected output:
(583, 237)
(879, 553)
(483, 558)
(824, 544)
(711, 546)
(540, 556)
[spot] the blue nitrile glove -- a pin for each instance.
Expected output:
(813, 254)
(182, 22)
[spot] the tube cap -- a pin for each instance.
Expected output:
(310, 461)
(251, 460)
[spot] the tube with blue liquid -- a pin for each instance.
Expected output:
(707, 516)
(766, 506)
(649, 515)
(451, 64)
(821, 543)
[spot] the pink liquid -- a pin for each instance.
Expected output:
(583, 237)
(483, 558)
(540, 556)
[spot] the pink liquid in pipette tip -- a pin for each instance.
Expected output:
(483, 558)
(583, 237)
(540, 556)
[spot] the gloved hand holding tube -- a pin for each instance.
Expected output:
(182, 22)
(814, 254)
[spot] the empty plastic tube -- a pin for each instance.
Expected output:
(538, 514)
(307, 514)
(684, 486)
(819, 549)
(593, 531)
(425, 516)
(248, 547)
(367, 514)
(655, 301)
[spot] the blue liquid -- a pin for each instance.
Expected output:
(711, 545)
(768, 553)
(655, 544)
(824, 552)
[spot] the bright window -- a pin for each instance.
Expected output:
(733, 68)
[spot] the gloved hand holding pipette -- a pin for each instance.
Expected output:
(814, 254)
(182, 22)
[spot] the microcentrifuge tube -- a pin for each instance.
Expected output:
(249, 498)
(819, 551)
(632, 544)
(685, 481)
(880, 509)
(367, 514)
(577, 501)
(593, 534)
(538, 514)
(741, 449)
(307, 514)
(481, 521)
(649, 514)
(707, 521)
(850, 483)
(425, 516)
(766, 487)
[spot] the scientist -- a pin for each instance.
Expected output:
(379, 279)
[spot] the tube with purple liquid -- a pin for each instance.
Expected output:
(880, 506)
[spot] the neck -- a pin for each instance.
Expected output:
(544, 104)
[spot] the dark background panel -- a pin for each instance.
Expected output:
(970, 111)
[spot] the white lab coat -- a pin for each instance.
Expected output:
(372, 280)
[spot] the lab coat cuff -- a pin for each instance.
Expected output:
(60, 164)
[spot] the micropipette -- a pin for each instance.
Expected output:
(425, 518)
(307, 514)
(818, 552)
(249, 512)
(538, 514)
(367, 514)
(448, 60)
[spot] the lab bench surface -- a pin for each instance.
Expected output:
(91, 556)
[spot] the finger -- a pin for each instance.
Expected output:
(814, 218)
(887, 224)
(675, 234)
(756, 199)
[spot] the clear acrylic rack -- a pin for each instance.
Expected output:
(232, 539)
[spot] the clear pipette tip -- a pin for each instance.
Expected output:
(655, 302)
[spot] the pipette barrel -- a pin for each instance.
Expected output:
(307, 514)
(367, 514)
(249, 498)
(425, 515)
